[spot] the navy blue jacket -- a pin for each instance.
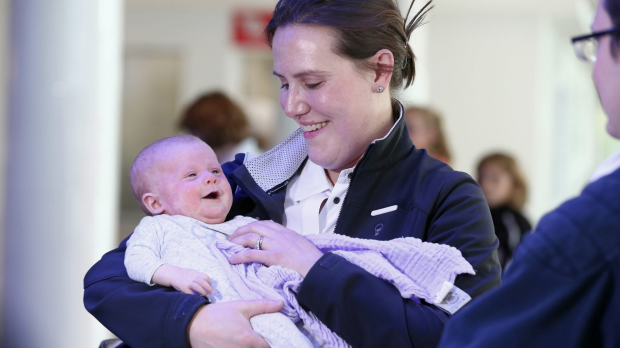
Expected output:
(435, 204)
(563, 288)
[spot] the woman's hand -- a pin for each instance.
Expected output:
(227, 324)
(280, 246)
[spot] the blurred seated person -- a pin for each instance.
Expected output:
(219, 122)
(426, 132)
(506, 192)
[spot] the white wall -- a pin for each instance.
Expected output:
(201, 34)
(483, 76)
(511, 83)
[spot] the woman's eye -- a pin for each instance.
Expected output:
(313, 85)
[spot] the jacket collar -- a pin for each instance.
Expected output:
(276, 166)
(385, 152)
(272, 170)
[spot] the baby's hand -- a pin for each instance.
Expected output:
(185, 280)
(188, 280)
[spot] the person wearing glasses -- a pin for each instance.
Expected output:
(563, 287)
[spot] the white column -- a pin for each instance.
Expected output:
(62, 160)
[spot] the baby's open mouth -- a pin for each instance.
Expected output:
(212, 195)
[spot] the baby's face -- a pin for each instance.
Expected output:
(189, 181)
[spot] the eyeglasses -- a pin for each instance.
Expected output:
(586, 46)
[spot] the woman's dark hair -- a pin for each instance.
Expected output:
(613, 9)
(363, 27)
(216, 120)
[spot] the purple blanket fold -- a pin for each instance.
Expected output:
(417, 269)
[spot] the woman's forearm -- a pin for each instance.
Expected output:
(367, 311)
(140, 315)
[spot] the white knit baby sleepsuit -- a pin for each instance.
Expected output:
(184, 242)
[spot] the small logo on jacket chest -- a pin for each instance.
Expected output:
(378, 229)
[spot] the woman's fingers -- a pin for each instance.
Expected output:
(280, 246)
(252, 308)
(246, 256)
(248, 240)
(270, 224)
(263, 228)
(255, 307)
(226, 324)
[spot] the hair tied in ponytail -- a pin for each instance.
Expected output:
(417, 20)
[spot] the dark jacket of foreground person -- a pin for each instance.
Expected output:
(435, 204)
(563, 287)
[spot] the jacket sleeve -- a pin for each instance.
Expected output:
(369, 312)
(554, 294)
(139, 314)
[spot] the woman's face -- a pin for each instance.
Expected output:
(496, 183)
(333, 102)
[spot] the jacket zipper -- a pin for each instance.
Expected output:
(350, 183)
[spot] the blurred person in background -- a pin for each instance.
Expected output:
(506, 192)
(426, 132)
(219, 122)
(350, 169)
(563, 287)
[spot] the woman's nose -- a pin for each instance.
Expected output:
(293, 103)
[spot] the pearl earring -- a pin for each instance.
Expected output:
(379, 89)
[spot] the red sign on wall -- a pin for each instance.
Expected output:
(248, 27)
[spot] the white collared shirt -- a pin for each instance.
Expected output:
(608, 166)
(304, 196)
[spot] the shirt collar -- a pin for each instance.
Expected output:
(610, 165)
(396, 122)
(312, 180)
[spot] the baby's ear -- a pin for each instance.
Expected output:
(152, 203)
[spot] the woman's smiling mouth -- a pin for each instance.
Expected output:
(313, 127)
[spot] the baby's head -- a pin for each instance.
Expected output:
(181, 176)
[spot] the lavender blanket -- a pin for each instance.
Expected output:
(417, 269)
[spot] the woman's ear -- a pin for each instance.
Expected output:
(383, 61)
(152, 202)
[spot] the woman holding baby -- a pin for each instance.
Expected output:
(351, 169)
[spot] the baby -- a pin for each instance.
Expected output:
(181, 187)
